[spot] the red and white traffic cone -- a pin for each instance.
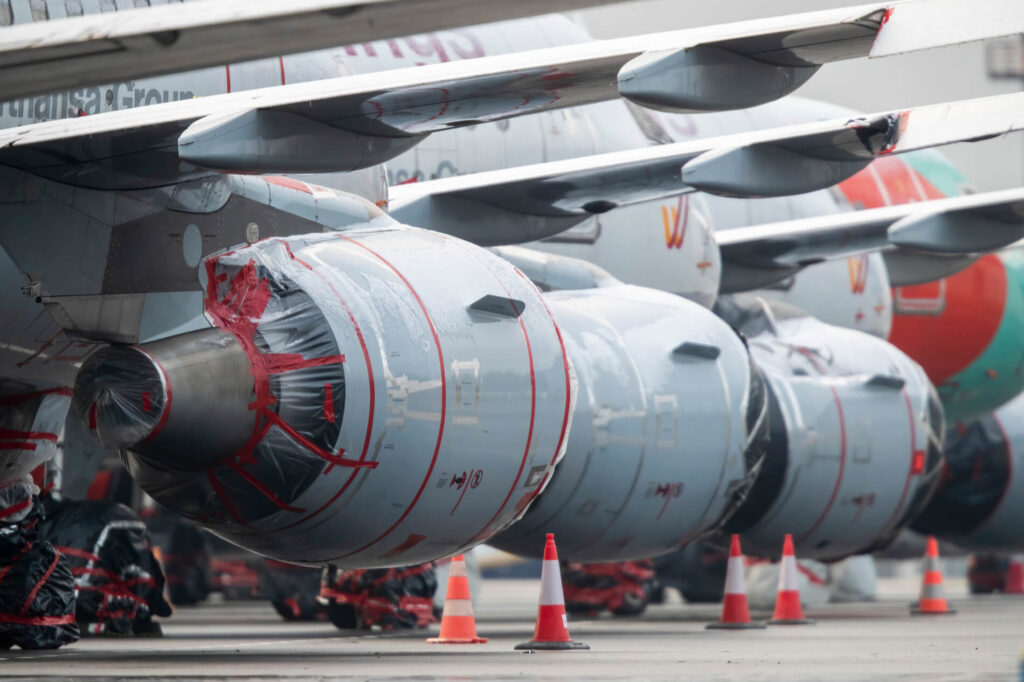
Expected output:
(552, 630)
(1015, 575)
(787, 603)
(933, 599)
(458, 626)
(735, 612)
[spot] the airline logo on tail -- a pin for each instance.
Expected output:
(858, 268)
(675, 219)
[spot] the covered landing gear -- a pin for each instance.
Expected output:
(624, 588)
(391, 598)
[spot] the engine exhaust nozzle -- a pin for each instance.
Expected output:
(183, 400)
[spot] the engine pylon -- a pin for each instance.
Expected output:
(735, 612)
(552, 630)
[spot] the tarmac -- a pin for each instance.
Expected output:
(865, 641)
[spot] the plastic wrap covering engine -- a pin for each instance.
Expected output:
(119, 583)
(30, 423)
(370, 398)
(37, 592)
(661, 448)
(980, 501)
(854, 451)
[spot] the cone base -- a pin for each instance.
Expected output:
(735, 626)
(457, 640)
(793, 621)
(915, 611)
(551, 646)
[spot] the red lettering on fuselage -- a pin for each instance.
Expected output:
(429, 47)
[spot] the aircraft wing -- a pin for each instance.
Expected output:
(926, 240)
(358, 121)
(537, 201)
(62, 54)
(921, 242)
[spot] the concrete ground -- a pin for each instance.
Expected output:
(879, 640)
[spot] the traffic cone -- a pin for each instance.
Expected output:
(735, 612)
(552, 631)
(933, 600)
(1015, 575)
(787, 603)
(457, 623)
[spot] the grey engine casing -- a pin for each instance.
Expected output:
(368, 398)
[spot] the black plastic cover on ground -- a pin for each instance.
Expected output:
(292, 589)
(622, 587)
(37, 592)
(186, 557)
(120, 583)
(697, 571)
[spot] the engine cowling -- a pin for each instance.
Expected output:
(369, 398)
(981, 498)
(854, 452)
(668, 429)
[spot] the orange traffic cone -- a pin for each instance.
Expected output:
(787, 603)
(735, 612)
(552, 631)
(933, 600)
(457, 623)
(1015, 575)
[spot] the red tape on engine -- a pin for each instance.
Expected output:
(239, 311)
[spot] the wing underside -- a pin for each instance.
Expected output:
(358, 121)
(49, 56)
(924, 239)
(532, 202)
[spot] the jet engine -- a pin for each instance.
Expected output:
(668, 430)
(981, 498)
(377, 397)
(854, 452)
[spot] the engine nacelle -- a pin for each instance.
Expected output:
(980, 501)
(369, 398)
(854, 451)
(668, 428)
